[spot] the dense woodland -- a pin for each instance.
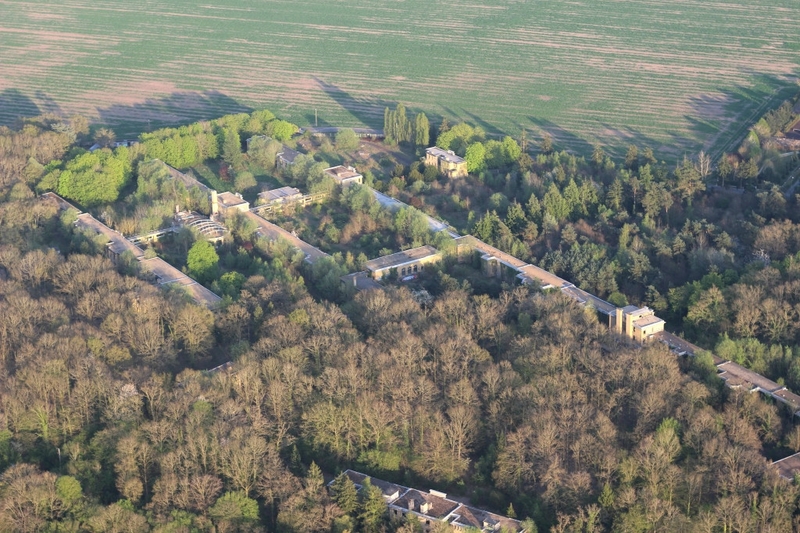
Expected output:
(519, 400)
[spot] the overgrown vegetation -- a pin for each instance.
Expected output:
(513, 398)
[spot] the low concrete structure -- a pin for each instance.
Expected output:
(361, 281)
(434, 506)
(168, 275)
(270, 231)
(230, 203)
(405, 263)
(117, 243)
(448, 163)
(344, 176)
(164, 273)
(788, 467)
(282, 195)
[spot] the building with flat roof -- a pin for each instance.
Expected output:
(117, 243)
(636, 323)
(283, 195)
(448, 163)
(360, 281)
(344, 176)
(229, 202)
(405, 263)
(788, 467)
(434, 506)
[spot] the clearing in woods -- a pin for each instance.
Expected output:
(677, 76)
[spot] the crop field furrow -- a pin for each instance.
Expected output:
(676, 76)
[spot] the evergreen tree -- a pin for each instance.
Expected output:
(547, 143)
(515, 218)
(632, 157)
(725, 169)
(373, 507)
(345, 494)
(421, 130)
(614, 195)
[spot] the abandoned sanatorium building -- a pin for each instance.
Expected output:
(434, 506)
(448, 163)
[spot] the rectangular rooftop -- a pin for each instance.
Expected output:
(117, 242)
(732, 371)
(283, 193)
(447, 155)
(401, 258)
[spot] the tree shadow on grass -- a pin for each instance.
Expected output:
(724, 117)
(562, 139)
(176, 109)
(15, 105)
(47, 104)
(366, 110)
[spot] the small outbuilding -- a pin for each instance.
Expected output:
(344, 176)
(229, 202)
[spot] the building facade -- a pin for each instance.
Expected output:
(405, 263)
(433, 506)
(344, 176)
(448, 163)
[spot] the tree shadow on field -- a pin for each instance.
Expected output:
(47, 104)
(670, 149)
(474, 119)
(726, 115)
(562, 138)
(366, 110)
(15, 105)
(176, 109)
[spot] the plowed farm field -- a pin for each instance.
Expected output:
(676, 75)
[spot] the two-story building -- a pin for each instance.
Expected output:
(448, 163)
(434, 506)
(637, 323)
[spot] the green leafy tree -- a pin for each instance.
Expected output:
(202, 261)
(281, 130)
(412, 224)
(725, 169)
(95, 178)
(615, 195)
(476, 157)
(346, 139)
(459, 137)
(235, 510)
(244, 181)
(396, 125)
(262, 151)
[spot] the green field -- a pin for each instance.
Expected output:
(678, 76)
